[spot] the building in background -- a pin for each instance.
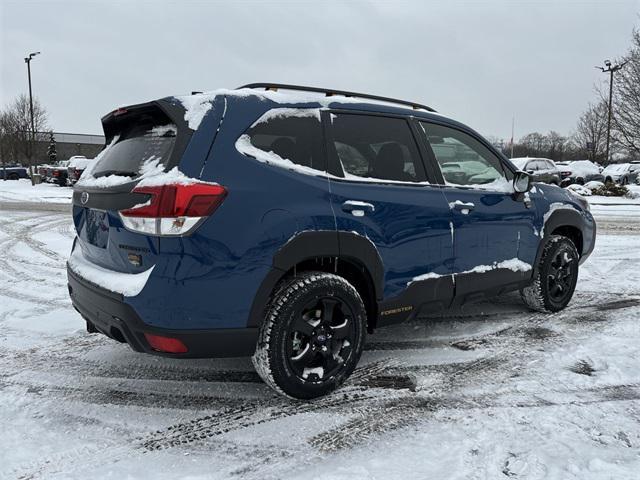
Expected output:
(16, 149)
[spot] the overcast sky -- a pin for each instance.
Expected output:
(480, 62)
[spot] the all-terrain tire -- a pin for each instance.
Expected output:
(538, 295)
(272, 359)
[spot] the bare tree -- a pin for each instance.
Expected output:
(15, 129)
(626, 98)
(590, 136)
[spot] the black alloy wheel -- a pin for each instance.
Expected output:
(321, 339)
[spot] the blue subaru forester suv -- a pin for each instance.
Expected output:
(286, 222)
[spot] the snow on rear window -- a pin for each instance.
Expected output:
(124, 158)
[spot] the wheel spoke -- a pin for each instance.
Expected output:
(328, 306)
(329, 361)
(555, 289)
(341, 331)
(305, 356)
(302, 325)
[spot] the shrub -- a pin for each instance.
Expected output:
(611, 190)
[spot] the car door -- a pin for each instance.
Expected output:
(495, 241)
(379, 191)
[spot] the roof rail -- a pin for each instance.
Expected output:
(331, 92)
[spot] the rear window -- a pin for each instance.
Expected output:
(137, 143)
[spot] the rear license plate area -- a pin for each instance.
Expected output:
(96, 227)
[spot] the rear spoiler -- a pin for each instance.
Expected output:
(171, 109)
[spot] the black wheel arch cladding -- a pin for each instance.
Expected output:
(343, 246)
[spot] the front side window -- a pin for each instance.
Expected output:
(376, 148)
(463, 160)
(296, 138)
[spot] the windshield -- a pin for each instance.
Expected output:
(138, 143)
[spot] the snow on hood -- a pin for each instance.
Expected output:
(127, 284)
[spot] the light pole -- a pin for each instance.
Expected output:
(27, 60)
(610, 69)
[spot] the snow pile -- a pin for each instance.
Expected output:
(127, 284)
(633, 191)
(593, 185)
(579, 190)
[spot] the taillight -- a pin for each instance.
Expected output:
(56, 173)
(173, 209)
(565, 174)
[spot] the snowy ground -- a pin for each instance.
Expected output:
(22, 191)
(487, 392)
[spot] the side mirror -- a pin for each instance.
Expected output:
(521, 182)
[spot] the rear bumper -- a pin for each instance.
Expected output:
(110, 315)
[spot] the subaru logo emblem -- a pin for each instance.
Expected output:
(84, 197)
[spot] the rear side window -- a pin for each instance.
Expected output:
(294, 138)
(145, 140)
(376, 148)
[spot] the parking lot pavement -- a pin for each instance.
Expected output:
(490, 391)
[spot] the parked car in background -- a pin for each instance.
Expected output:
(579, 171)
(541, 169)
(289, 226)
(13, 172)
(77, 164)
(622, 173)
(58, 173)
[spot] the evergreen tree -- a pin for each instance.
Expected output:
(51, 149)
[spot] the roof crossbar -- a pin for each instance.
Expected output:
(331, 92)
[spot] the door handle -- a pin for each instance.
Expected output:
(463, 207)
(356, 208)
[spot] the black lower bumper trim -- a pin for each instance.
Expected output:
(107, 312)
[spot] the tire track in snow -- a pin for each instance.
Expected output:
(248, 414)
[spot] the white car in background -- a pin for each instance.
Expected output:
(580, 172)
(622, 173)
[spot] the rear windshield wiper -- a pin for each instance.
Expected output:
(122, 173)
